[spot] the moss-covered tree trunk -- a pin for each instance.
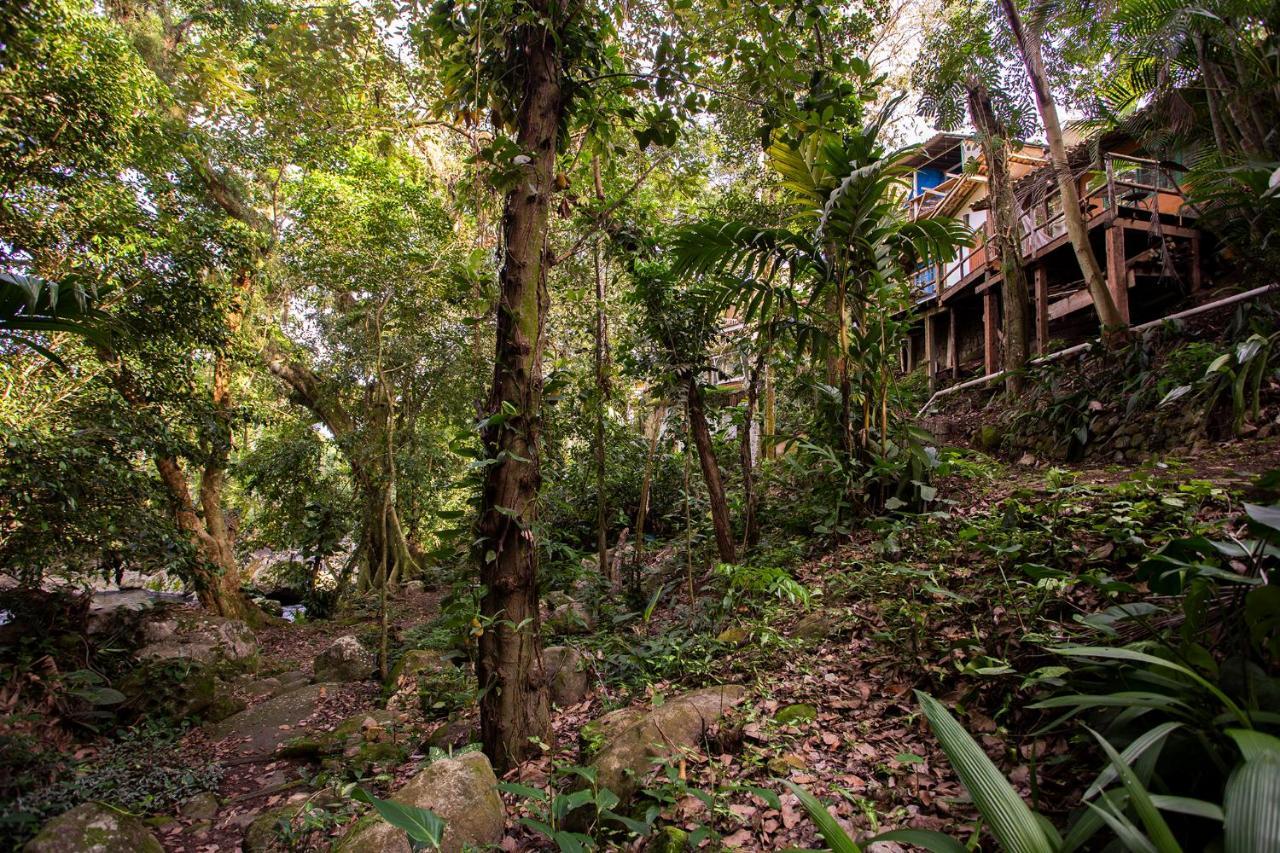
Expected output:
(514, 706)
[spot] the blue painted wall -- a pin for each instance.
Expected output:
(927, 178)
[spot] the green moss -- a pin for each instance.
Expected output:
(798, 713)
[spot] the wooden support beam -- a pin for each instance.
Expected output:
(1165, 228)
(930, 359)
(1117, 281)
(1042, 310)
(1196, 281)
(990, 333)
(1070, 304)
(953, 356)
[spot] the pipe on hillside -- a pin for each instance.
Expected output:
(1044, 359)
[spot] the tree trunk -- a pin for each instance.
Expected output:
(750, 513)
(366, 457)
(216, 573)
(654, 430)
(514, 705)
(710, 470)
(995, 144)
(602, 396)
(1028, 42)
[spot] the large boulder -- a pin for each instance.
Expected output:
(462, 791)
(93, 828)
(119, 610)
(633, 746)
(344, 660)
(567, 675)
(198, 637)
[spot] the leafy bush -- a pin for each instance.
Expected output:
(144, 771)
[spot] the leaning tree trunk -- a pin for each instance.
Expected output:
(710, 469)
(514, 707)
(994, 137)
(1028, 42)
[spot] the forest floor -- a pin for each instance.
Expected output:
(926, 603)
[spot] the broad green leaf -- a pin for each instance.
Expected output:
(1147, 740)
(1011, 821)
(1157, 829)
(1135, 656)
(1188, 806)
(837, 839)
(423, 826)
(1249, 804)
(935, 842)
(1254, 744)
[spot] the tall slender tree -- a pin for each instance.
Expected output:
(1028, 42)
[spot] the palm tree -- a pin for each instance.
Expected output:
(32, 307)
(846, 236)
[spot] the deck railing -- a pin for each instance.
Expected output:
(1125, 182)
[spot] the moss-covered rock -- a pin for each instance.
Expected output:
(571, 618)
(795, 714)
(669, 839)
(462, 791)
(260, 836)
(200, 807)
(601, 730)
(454, 734)
(93, 828)
(260, 726)
(815, 627)
(413, 664)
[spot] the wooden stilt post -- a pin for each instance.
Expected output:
(930, 356)
(1196, 281)
(1042, 310)
(1117, 283)
(953, 356)
(990, 332)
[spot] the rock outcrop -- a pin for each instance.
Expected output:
(200, 638)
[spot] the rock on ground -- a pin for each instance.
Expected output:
(567, 675)
(462, 791)
(571, 618)
(344, 660)
(630, 747)
(93, 828)
(206, 639)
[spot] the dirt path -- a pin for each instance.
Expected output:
(255, 780)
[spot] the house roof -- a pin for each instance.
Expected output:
(934, 147)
